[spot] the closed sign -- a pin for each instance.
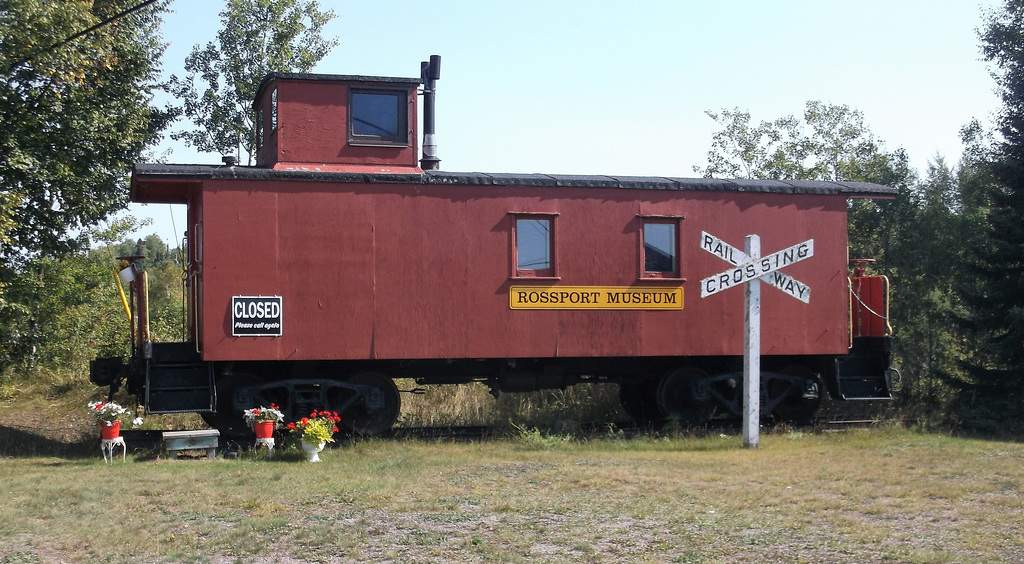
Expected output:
(256, 316)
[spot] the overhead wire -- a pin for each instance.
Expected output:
(82, 33)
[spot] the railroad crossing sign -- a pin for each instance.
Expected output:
(750, 268)
(766, 268)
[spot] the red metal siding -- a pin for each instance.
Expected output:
(266, 154)
(313, 128)
(423, 271)
(869, 306)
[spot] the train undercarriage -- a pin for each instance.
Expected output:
(171, 378)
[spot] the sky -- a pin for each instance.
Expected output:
(623, 87)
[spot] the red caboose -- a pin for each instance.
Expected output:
(337, 264)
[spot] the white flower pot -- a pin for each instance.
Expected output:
(313, 450)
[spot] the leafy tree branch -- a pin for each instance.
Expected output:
(257, 37)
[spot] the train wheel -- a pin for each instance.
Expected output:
(640, 401)
(379, 411)
(798, 407)
(676, 398)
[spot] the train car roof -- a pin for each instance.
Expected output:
(315, 77)
(168, 183)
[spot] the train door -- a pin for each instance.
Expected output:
(865, 372)
(194, 272)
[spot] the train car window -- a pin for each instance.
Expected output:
(198, 242)
(273, 110)
(259, 128)
(378, 117)
(534, 246)
(660, 248)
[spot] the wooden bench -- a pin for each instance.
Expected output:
(177, 441)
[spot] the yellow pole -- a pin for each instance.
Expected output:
(124, 300)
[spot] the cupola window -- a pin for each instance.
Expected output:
(378, 117)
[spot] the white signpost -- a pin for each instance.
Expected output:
(750, 269)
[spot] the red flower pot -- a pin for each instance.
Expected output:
(110, 430)
(263, 429)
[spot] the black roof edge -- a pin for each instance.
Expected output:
(317, 77)
(435, 177)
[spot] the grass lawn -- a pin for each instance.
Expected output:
(882, 495)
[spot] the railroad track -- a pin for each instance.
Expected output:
(470, 433)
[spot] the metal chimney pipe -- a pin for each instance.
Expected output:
(430, 72)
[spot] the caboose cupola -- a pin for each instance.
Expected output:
(336, 123)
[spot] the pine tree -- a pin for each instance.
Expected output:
(991, 396)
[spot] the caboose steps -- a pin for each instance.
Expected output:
(178, 380)
(864, 373)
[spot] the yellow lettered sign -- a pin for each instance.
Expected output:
(595, 297)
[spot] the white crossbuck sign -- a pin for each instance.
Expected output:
(750, 269)
(766, 268)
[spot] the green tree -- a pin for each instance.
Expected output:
(257, 37)
(155, 251)
(991, 396)
(831, 142)
(76, 114)
(62, 311)
(933, 246)
(741, 150)
(164, 269)
(919, 237)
